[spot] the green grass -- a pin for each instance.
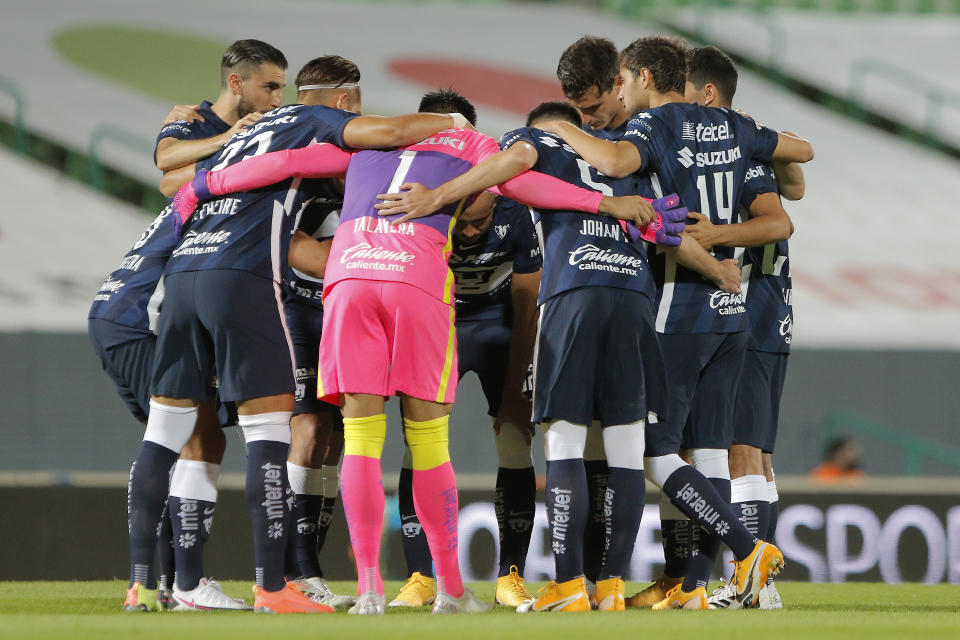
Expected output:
(78, 610)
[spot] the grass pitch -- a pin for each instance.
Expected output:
(78, 610)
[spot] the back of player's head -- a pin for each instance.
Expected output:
(553, 110)
(448, 101)
(710, 64)
(666, 58)
(588, 62)
(335, 71)
(244, 56)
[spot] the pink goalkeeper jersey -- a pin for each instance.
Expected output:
(368, 247)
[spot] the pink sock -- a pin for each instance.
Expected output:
(361, 490)
(435, 499)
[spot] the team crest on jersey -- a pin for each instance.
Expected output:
(502, 230)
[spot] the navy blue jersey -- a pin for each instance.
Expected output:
(608, 134)
(582, 249)
(211, 126)
(319, 220)
(702, 154)
(251, 231)
(130, 295)
(767, 275)
(483, 269)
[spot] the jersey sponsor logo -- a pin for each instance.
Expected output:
(788, 297)
(786, 328)
(728, 304)
(753, 172)
(556, 143)
(195, 243)
(639, 134)
(107, 289)
(381, 225)
(600, 229)
(366, 256)
(687, 158)
(711, 132)
(501, 230)
(687, 131)
(449, 141)
(590, 257)
(131, 263)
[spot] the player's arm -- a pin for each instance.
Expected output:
(173, 179)
(768, 223)
(790, 181)
(184, 112)
(725, 274)
(614, 159)
(172, 153)
(378, 132)
(514, 406)
(792, 148)
(308, 255)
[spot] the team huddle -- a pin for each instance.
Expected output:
(315, 262)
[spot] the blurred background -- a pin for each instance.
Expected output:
(873, 377)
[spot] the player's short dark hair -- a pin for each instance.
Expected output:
(243, 56)
(665, 57)
(554, 110)
(335, 70)
(448, 101)
(710, 64)
(588, 62)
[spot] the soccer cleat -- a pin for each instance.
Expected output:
(511, 590)
(677, 598)
(653, 594)
(609, 595)
(206, 596)
(287, 600)
(770, 597)
(752, 572)
(417, 591)
(165, 601)
(139, 598)
(723, 596)
(467, 603)
(369, 604)
(317, 590)
(560, 596)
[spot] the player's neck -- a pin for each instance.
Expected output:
(618, 122)
(226, 108)
(660, 99)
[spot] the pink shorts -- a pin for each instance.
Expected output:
(385, 338)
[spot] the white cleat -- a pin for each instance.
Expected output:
(769, 596)
(467, 603)
(724, 597)
(317, 590)
(369, 604)
(206, 596)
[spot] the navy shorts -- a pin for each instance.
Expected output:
(758, 400)
(222, 320)
(305, 322)
(597, 358)
(483, 346)
(126, 354)
(703, 371)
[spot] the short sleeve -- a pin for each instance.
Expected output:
(759, 179)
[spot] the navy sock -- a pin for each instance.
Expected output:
(267, 493)
(567, 507)
(415, 547)
(595, 533)
(772, 522)
(146, 496)
(625, 495)
(701, 562)
(326, 519)
(192, 521)
(165, 564)
(290, 569)
(306, 519)
(691, 492)
(514, 503)
(755, 516)
(676, 546)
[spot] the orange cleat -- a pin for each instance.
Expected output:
(287, 600)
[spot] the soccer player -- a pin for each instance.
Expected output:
(712, 81)
(702, 154)
(588, 75)
(223, 309)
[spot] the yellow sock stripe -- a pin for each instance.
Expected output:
(364, 436)
(428, 442)
(447, 248)
(448, 358)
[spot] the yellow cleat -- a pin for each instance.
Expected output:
(609, 596)
(417, 591)
(139, 598)
(511, 591)
(677, 598)
(560, 596)
(751, 573)
(653, 594)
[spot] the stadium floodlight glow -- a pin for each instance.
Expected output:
(329, 85)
